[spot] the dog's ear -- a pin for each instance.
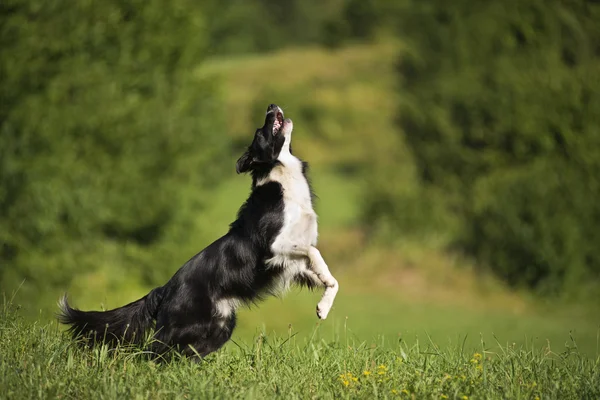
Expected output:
(243, 164)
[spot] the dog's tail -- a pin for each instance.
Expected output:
(126, 324)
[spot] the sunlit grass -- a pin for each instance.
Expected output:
(37, 361)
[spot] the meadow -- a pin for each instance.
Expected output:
(38, 362)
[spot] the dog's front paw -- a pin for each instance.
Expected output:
(322, 310)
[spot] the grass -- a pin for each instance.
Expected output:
(368, 318)
(37, 361)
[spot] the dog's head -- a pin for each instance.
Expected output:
(268, 142)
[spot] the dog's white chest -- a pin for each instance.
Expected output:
(299, 230)
(299, 219)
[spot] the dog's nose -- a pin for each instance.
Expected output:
(272, 107)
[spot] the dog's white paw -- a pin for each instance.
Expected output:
(323, 310)
(326, 302)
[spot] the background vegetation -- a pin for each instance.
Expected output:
(504, 122)
(455, 152)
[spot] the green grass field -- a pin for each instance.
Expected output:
(37, 361)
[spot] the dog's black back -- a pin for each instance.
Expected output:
(195, 310)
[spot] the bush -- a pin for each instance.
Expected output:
(102, 127)
(500, 113)
(536, 226)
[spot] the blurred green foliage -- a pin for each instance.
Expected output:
(118, 119)
(102, 129)
(501, 111)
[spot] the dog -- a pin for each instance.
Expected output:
(269, 247)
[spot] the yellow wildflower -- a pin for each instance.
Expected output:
(394, 391)
(405, 391)
(465, 398)
(366, 373)
(347, 379)
(443, 396)
(477, 356)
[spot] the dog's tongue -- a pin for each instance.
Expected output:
(276, 126)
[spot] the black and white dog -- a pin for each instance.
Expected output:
(270, 246)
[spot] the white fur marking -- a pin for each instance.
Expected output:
(291, 268)
(300, 228)
(226, 306)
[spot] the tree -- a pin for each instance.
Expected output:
(500, 110)
(102, 128)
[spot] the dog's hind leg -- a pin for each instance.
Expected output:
(200, 339)
(319, 267)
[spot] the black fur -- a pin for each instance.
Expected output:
(186, 308)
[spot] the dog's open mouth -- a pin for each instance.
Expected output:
(278, 123)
